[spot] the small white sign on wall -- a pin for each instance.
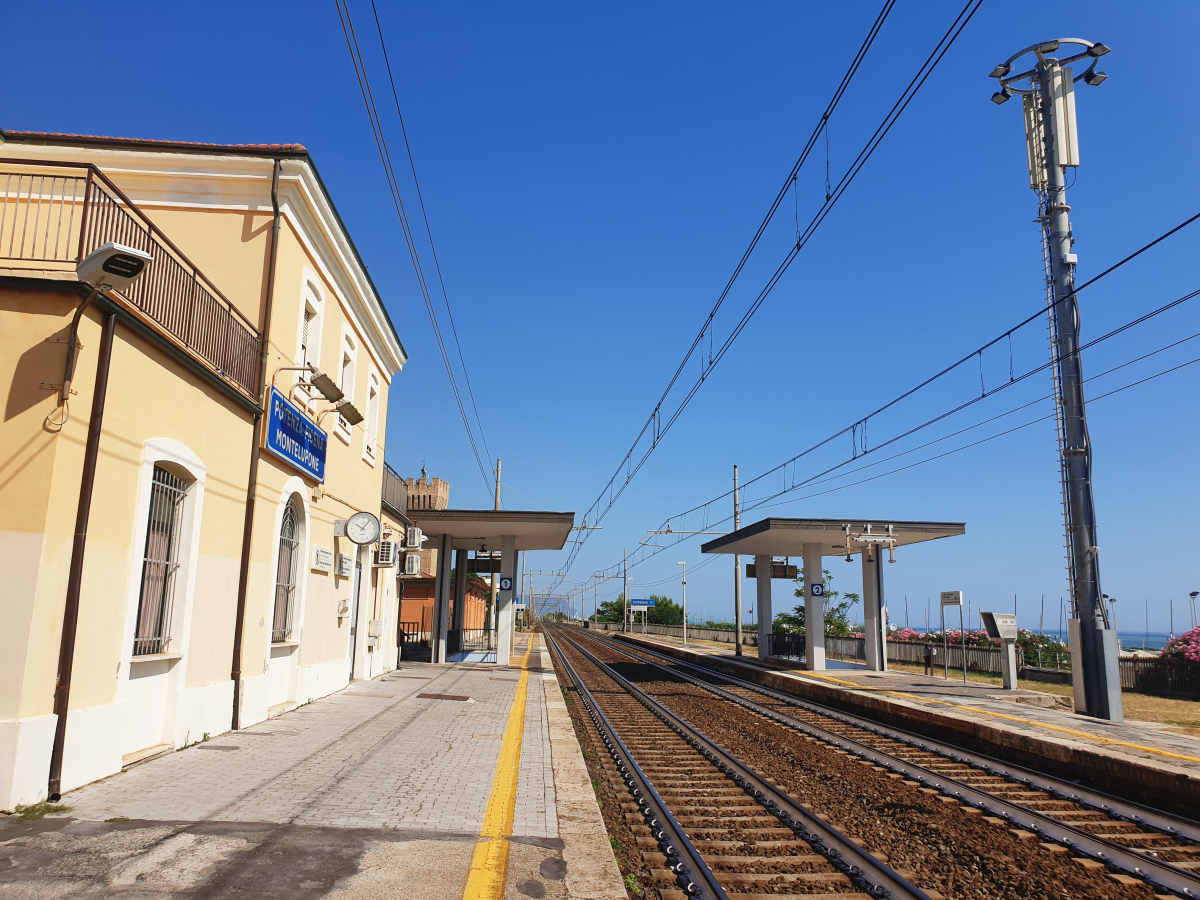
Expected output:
(345, 566)
(322, 560)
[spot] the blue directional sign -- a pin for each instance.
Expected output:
(817, 590)
(506, 584)
(294, 437)
(649, 602)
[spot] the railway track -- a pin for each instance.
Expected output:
(711, 827)
(1131, 841)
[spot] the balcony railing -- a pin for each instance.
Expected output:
(395, 491)
(54, 217)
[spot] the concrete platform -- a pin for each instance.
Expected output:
(442, 782)
(1142, 761)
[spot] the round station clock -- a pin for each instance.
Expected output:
(362, 528)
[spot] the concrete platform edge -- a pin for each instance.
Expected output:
(1149, 782)
(592, 871)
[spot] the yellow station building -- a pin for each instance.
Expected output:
(167, 580)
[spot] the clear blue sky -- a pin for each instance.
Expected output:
(592, 176)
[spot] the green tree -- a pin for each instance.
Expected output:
(665, 611)
(611, 610)
(837, 610)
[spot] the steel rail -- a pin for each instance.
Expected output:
(682, 856)
(1173, 826)
(864, 870)
(1156, 872)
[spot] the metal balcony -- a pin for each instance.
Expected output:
(56, 213)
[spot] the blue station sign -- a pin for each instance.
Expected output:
(642, 603)
(294, 437)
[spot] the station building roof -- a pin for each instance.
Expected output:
(484, 529)
(787, 537)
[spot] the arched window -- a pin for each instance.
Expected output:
(285, 576)
(160, 562)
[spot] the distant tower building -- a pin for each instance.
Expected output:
(424, 493)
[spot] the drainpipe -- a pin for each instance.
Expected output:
(66, 651)
(239, 625)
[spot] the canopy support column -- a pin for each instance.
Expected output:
(874, 624)
(762, 569)
(441, 600)
(814, 610)
(504, 599)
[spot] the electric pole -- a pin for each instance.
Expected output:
(737, 571)
(684, 564)
(495, 574)
(1052, 145)
(625, 591)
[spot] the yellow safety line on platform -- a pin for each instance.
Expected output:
(998, 715)
(985, 712)
(489, 865)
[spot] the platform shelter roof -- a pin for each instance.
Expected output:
(484, 529)
(837, 537)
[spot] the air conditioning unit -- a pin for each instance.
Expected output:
(414, 538)
(412, 564)
(385, 556)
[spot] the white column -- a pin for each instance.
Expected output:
(358, 667)
(762, 569)
(873, 623)
(441, 599)
(504, 600)
(814, 610)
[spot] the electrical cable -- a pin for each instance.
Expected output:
(816, 478)
(429, 232)
(853, 429)
(654, 423)
(360, 71)
(1046, 418)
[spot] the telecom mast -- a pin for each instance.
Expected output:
(1052, 146)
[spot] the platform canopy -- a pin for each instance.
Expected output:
(837, 537)
(483, 529)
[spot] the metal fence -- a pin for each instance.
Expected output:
(695, 632)
(1159, 677)
(58, 218)
(1164, 677)
(459, 640)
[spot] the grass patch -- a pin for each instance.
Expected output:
(36, 811)
(631, 884)
(614, 843)
(565, 694)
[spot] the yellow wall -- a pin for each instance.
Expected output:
(151, 397)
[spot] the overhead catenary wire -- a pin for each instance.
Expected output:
(857, 453)
(857, 429)
(429, 233)
(763, 503)
(611, 492)
(360, 71)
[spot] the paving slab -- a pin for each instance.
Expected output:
(376, 791)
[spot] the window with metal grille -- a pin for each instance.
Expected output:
(285, 575)
(160, 563)
(305, 356)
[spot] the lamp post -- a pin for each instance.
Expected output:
(684, 564)
(1052, 146)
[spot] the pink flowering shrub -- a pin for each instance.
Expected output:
(1186, 646)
